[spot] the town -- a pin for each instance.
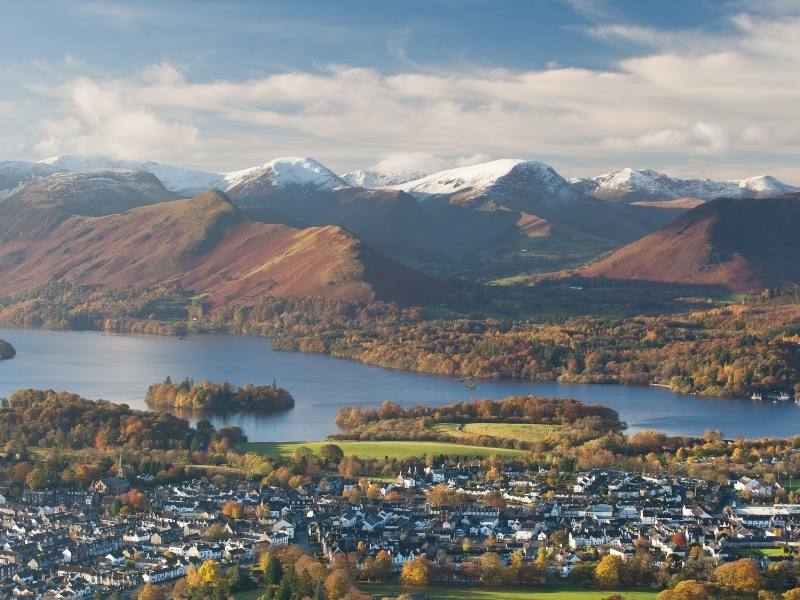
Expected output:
(467, 522)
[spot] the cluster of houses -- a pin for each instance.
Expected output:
(65, 543)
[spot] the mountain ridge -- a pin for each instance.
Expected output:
(630, 185)
(206, 244)
(742, 244)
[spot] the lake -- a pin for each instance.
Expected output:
(121, 367)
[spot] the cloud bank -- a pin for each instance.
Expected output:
(723, 105)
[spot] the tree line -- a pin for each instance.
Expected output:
(207, 396)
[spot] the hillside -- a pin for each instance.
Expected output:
(206, 245)
(43, 205)
(741, 244)
(16, 174)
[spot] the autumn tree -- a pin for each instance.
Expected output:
(337, 584)
(416, 572)
(232, 510)
(607, 572)
(741, 576)
(381, 567)
(331, 454)
(688, 590)
(152, 592)
(272, 569)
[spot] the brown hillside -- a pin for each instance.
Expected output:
(205, 245)
(40, 207)
(743, 245)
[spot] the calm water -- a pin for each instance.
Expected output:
(120, 367)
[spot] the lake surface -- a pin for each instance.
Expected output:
(121, 367)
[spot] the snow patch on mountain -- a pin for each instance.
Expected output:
(371, 178)
(287, 171)
(504, 176)
(645, 184)
(185, 182)
(17, 174)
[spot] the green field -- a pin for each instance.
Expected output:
(525, 432)
(380, 449)
(455, 592)
(775, 552)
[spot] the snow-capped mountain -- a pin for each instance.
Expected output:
(505, 176)
(284, 172)
(97, 188)
(280, 172)
(185, 182)
(509, 177)
(630, 185)
(16, 174)
(370, 178)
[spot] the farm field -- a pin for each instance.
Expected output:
(454, 592)
(381, 449)
(525, 432)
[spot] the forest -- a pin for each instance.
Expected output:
(67, 421)
(732, 349)
(207, 396)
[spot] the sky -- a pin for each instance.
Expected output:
(695, 88)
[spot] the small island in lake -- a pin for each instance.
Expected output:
(207, 396)
(6, 350)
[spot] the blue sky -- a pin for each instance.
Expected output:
(691, 87)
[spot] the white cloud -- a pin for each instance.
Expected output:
(421, 162)
(725, 99)
(102, 118)
(700, 138)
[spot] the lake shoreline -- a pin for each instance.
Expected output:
(237, 332)
(118, 367)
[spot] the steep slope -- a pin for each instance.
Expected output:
(46, 203)
(15, 175)
(205, 244)
(528, 187)
(741, 244)
(631, 185)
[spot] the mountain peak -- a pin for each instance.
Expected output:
(477, 177)
(287, 171)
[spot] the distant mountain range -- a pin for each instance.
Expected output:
(632, 185)
(623, 185)
(489, 220)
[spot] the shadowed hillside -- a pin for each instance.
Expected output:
(45, 204)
